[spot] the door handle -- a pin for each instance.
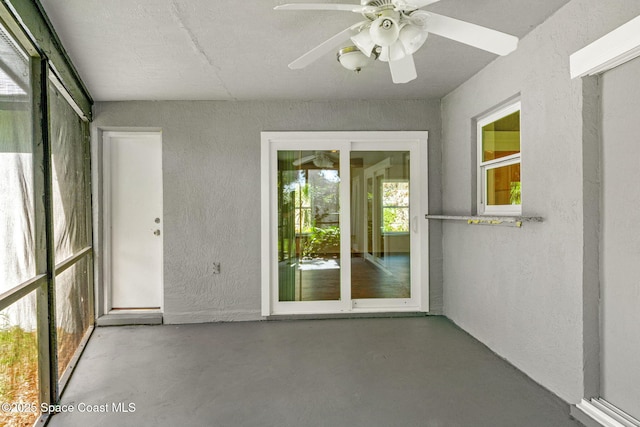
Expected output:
(157, 232)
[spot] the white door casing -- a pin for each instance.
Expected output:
(133, 220)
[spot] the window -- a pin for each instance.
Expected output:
(499, 187)
(395, 206)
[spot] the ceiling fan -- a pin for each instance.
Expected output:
(393, 31)
(319, 158)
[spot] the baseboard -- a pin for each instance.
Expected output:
(207, 316)
(122, 319)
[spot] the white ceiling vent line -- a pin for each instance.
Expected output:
(179, 17)
(614, 49)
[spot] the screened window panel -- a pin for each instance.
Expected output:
(69, 151)
(17, 256)
(19, 362)
(72, 223)
(73, 312)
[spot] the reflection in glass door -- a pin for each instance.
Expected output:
(381, 238)
(308, 225)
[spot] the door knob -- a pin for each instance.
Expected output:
(157, 232)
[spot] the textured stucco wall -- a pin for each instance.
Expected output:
(211, 170)
(523, 291)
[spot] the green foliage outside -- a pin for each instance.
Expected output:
(18, 373)
(322, 241)
(395, 220)
(515, 194)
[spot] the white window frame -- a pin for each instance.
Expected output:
(484, 167)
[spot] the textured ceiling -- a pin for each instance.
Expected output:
(239, 50)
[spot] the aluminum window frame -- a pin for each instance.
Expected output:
(42, 73)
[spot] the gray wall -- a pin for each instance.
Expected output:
(530, 294)
(620, 242)
(211, 169)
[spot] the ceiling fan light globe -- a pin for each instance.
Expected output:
(363, 41)
(412, 38)
(384, 54)
(419, 18)
(396, 51)
(384, 31)
(352, 58)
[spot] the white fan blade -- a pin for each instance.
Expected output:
(324, 6)
(325, 47)
(303, 160)
(403, 70)
(472, 34)
(412, 4)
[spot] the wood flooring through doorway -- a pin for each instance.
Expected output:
(368, 280)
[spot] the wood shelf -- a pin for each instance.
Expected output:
(508, 221)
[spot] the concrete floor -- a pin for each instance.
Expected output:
(351, 372)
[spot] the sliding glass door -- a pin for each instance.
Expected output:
(380, 236)
(341, 217)
(308, 225)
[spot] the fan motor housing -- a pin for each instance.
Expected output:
(380, 5)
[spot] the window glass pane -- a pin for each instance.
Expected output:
(73, 312)
(395, 207)
(69, 148)
(395, 220)
(17, 263)
(503, 185)
(501, 138)
(19, 363)
(308, 225)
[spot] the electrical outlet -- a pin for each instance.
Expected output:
(216, 268)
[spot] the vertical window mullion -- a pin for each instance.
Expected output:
(89, 214)
(46, 312)
(42, 228)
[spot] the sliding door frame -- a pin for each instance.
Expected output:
(596, 59)
(345, 143)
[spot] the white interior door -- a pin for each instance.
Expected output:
(133, 220)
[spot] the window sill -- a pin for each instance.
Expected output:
(508, 221)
